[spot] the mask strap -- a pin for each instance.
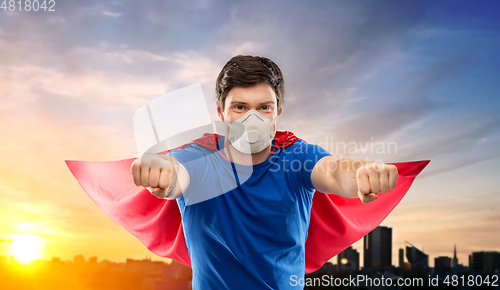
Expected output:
(232, 165)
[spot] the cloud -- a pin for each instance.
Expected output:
(112, 14)
(471, 135)
(382, 122)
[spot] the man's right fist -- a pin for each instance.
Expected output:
(158, 174)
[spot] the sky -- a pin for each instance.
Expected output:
(416, 79)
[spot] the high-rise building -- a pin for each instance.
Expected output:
(348, 260)
(377, 248)
(484, 262)
(419, 261)
(401, 257)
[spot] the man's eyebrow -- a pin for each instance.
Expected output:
(237, 102)
(244, 103)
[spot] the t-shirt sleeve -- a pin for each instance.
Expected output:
(194, 160)
(306, 156)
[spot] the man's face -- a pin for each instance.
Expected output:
(239, 101)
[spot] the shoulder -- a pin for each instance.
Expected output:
(305, 152)
(191, 152)
(301, 146)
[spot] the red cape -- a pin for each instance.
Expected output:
(336, 222)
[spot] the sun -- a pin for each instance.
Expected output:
(26, 248)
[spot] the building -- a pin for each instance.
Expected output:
(348, 260)
(377, 247)
(177, 271)
(454, 262)
(442, 265)
(401, 258)
(485, 262)
(146, 267)
(93, 260)
(79, 259)
(419, 261)
(161, 284)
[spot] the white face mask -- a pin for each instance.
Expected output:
(251, 133)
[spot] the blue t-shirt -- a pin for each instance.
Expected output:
(249, 234)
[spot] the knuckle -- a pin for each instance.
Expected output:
(164, 184)
(145, 180)
(144, 169)
(378, 166)
(361, 171)
(166, 173)
(136, 165)
(155, 162)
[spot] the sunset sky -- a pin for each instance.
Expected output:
(419, 74)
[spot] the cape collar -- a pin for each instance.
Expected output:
(282, 139)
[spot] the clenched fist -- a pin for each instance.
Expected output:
(375, 178)
(158, 173)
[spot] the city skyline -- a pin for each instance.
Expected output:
(81, 273)
(79, 258)
(417, 74)
(381, 238)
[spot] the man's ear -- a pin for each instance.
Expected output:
(281, 110)
(219, 111)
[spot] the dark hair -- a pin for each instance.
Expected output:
(247, 71)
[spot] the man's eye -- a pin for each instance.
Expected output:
(239, 107)
(265, 108)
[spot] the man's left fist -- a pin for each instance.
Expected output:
(374, 178)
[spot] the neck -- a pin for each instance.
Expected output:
(235, 156)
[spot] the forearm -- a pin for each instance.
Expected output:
(354, 177)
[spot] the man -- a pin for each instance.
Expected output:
(253, 236)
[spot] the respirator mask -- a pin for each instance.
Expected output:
(251, 133)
